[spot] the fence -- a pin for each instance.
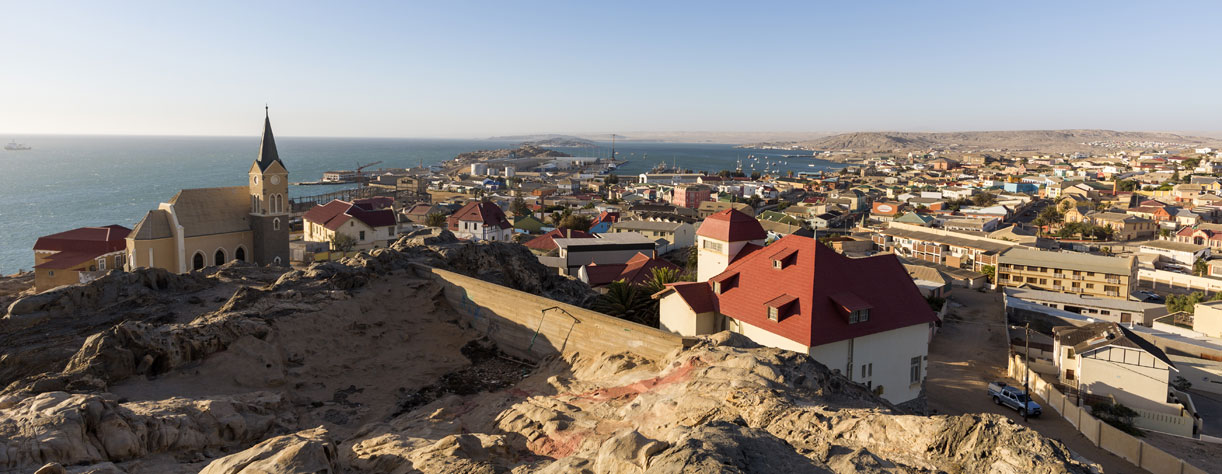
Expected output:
(1100, 434)
(1173, 280)
(534, 327)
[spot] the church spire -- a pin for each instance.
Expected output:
(267, 146)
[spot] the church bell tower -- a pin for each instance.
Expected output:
(269, 207)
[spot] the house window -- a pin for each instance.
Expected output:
(362, 236)
(859, 316)
(717, 287)
(50, 273)
(774, 314)
(914, 372)
(712, 245)
(777, 264)
(1069, 374)
(1069, 353)
(102, 263)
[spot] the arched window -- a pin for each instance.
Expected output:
(219, 258)
(239, 254)
(276, 224)
(276, 260)
(198, 261)
(254, 203)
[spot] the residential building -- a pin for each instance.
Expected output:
(862, 317)
(885, 211)
(573, 253)
(1175, 253)
(676, 234)
(1108, 361)
(212, 226)
(1124, 226)
(1068, 272)
(690, 195)
(546, 243)
(971, 225)
(942, 247)
(1207, 319)
(637, 270)
(480, 220)
(1202, 234)
(369, 228)
(708, 208)
(721, 237)
(78, 255)
(1101, 309)
(603, 222)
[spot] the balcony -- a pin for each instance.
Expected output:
(1058, 275)
(1077, 277)
(1113, 280)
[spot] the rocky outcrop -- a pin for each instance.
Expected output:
(86, 429)
(303, 452)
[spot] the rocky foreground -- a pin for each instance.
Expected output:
(362, 367)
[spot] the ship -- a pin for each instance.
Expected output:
(14, 146)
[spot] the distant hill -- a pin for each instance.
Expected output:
(1020, 140)
(550, 140)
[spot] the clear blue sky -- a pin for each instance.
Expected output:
(474, 69)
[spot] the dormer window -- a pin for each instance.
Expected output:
(725, 283)
(855, 309)
(859, 316)
(783, 259)
(781, 307)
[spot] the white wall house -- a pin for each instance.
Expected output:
(863, 318)
(369, 228)
(480, 220)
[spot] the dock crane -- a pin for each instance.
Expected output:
(359, 167)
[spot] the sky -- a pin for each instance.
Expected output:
(477, 69)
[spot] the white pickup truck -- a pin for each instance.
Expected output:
(1014, 398)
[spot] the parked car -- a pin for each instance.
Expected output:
(1149, 296)
(1014, 398)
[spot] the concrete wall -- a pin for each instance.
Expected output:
(1163, 280)
(534, 327)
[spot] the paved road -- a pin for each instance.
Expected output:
(1209, 406)
(969, 352)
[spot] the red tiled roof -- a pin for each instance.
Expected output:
(636, 270)
(697, 295)
(825, 284)
(605, 216)
(731, 225)
(94, 240)
(481, 211)
(336, 213)
(548, 241)
(374, 203)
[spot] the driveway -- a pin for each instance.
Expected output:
(1209, 406)
(969, 352)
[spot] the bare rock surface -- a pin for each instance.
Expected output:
(361, 366)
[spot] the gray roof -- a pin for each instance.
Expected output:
(1068, 261)
(1099, 335)
(657, 226)
(948, 239)
(209, 211)
(267, 147)
(154, 225)
(1080, 299)
(1173, 246)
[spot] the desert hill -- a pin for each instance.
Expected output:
(362, 366)
(1022, 140)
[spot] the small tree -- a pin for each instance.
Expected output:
(989, 271)
(519, 208)
(625, 301)
(342, 242)
(574, 222)
(435, 219)
(1200, 268)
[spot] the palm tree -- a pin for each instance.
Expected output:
(659, 277)
(625, 301)
(435, 219)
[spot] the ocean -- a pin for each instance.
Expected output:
(66, 182)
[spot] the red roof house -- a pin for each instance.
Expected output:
(370, 227)
(799, 294)
(480, 220)
(731, 225)
(636, 270)
(59, 258)
(547, 242)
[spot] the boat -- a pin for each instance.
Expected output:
(14, 146)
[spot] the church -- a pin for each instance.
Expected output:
(213, 226)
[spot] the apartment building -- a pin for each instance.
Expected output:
(1068, 272)
(940, 246)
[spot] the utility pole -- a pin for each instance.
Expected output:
(1026, 369)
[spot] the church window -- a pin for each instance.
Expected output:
(239, 254)
(276, 224)
(197, 262)
(276, 260)
(219, 257)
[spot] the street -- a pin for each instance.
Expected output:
(969, 352)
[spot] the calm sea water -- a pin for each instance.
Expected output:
(66, 182)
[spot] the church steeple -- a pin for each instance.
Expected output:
(267, 146)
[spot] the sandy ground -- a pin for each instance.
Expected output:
(969, 352)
